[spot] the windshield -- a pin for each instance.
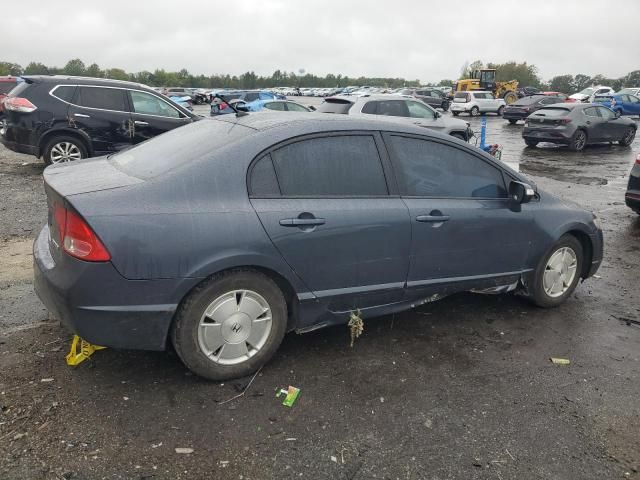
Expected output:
(6, 87)
(587, 91)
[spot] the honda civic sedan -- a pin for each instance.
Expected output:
(223, 236)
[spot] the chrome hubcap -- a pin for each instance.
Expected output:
(560, 272)
(629, 136)
(580, 140)
(234, 327)
(65, 152)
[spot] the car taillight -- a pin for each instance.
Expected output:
(563, 121)
(638, 159)
(77, 238)
(19, 104)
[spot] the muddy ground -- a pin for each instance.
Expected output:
(461, 388)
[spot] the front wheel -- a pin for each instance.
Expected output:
(64, 149)
(628, 137)
(475, 111)
(531, 143)
(500, 111)
(557, 273)
(230, 325)
(578, 141)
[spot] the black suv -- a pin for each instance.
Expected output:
(61, 118)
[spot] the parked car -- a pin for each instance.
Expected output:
(621, 104)
(279, 222)
(522, 108)
(405, 110)
(527, 91)
(563, 96)
(632, 196)
(86, 117)
(219, 107)
(588, 94)
(577, 125)
(275, 105)
(630, 91)
(431, 96)
(475, 103)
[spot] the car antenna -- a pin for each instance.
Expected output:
(238, 113)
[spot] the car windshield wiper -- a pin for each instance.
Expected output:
(238, 112)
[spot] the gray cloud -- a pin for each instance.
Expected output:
(408, 38)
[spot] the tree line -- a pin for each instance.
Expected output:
(526, 74)
(182, 78)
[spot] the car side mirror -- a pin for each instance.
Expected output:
(521, 192)
(438, 114)
(312, 108)
(241, 108)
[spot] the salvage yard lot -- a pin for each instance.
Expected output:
(460, 388)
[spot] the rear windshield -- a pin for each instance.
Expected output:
(334, 106)
(18, 89)
(6, 87)
(526, 101)
(177, 148)
(553, 112)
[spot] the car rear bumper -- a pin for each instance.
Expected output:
(632, 199)
(94, 301)
(508, 115)
(546, 135)
(19, 147)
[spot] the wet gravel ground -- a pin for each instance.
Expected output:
(461, 388)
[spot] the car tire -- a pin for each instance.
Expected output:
(628, 137)
(444, 106)
(500, 111)
(531, 143)
(455, 114)
(578, 141)
(562, 263)
(64, 148)
(475, 111)
(223, 297)
(513, 121)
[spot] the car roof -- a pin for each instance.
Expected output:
(300, 123)
(103, 82)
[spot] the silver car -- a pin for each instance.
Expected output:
(405, 110)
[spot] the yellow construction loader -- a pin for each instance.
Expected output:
(485, 79)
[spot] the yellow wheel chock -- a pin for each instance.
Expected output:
(80, 351)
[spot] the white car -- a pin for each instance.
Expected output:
(630, 91)
(589, 93)
(476, 103)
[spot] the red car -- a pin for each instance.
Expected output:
(559, 94)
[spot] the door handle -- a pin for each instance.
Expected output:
(432, 218)
(302, 222)
(140, 123)
(82, 115)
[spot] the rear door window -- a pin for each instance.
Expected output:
(279, 106)
(343, 166)
(430, 169)
(294, 107)
(64, 92)
(102, 98)
(393, 108)
(262, 179)
(419, 110)
(591, 112)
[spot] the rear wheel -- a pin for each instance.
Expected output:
(231, 325)
(578, 141)
(455, 114)
(628, 137)
(475, 111)
(557, 273)
(512, 121)
(445, 106)
(62, 149)
(531, 143)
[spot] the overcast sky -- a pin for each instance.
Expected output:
(427, 40)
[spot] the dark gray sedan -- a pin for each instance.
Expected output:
(223, 235)
(577, 125)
